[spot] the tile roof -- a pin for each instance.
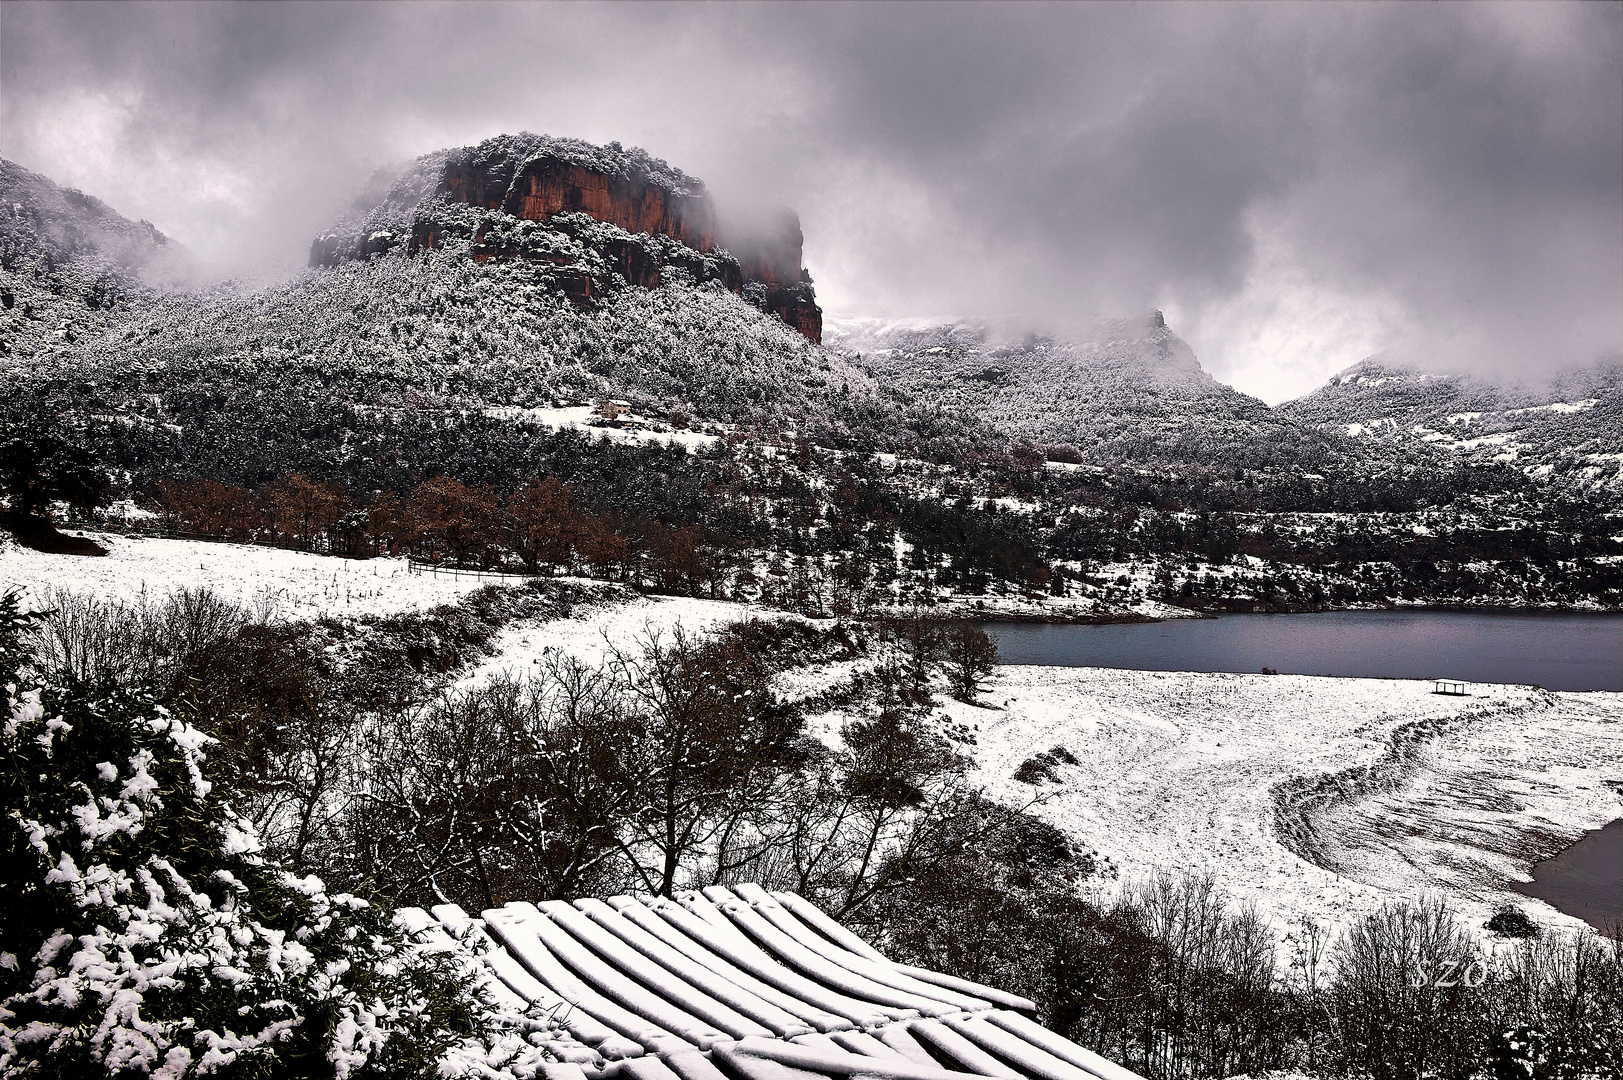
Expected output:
(741, 985)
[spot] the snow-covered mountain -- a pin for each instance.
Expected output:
(1568, 428)
(428, 299)
(70, 265)
(1126, 392)
(528, 196)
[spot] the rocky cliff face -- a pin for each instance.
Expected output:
(769, 258)
(547, 186)
(484, 195)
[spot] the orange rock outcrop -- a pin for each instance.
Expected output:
(551, 187)
(546, 186)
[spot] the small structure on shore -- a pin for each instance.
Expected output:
(1453, 687)
(612, 408)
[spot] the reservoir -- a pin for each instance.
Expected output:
(1585, 880)
(1555, 650)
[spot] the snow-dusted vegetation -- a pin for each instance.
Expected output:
(446, 333)
(146, 934)
(504, 559)
(1567, 430)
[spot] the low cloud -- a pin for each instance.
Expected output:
(1295, 185)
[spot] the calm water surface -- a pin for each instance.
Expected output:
(1585, 880)
(1559, 651)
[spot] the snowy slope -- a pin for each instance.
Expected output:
(597, 631)
(1569, 428)
(1288, 789)
(1293, 792)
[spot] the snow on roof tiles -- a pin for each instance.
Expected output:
(745, 985)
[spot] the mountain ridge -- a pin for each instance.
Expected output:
(71, 264)
(492, 195)
(1127, 391)
(1567, 428)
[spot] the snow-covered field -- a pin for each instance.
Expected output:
(1381, 788)
(288, 584)
(1193, 772)
(635, 429)
(595, 631)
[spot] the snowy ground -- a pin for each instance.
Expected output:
(598, 629)
(632, 429)
(1179, 771)
(1385, 789)
(290, 584)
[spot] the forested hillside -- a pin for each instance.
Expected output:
(1567, 429)
(417, 378)
(70, 266)
(1129, 392)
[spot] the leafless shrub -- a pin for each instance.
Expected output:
(110, 641)
(1173, 980)
(1559, 1002)
(1409, 994)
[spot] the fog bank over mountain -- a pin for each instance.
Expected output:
(1297, 187)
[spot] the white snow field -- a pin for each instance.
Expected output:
(596, 630)
(1311, 797)
(288, 584)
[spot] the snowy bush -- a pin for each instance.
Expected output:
(145, 934)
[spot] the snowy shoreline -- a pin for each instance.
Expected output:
(1287, 790)
(1290, 790)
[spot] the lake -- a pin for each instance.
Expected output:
(1585, 880)
(1555, 650)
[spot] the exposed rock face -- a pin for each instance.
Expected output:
(770, 257)
(799, 309)
(478, 194)
(546, 186)
(550, 187)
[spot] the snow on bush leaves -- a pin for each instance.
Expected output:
(144, 934)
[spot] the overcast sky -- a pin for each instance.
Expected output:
(1296, 186)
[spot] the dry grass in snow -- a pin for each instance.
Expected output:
(287, 584)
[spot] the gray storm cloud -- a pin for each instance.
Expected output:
(1297, 186)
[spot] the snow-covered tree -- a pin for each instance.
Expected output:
(144, 933)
